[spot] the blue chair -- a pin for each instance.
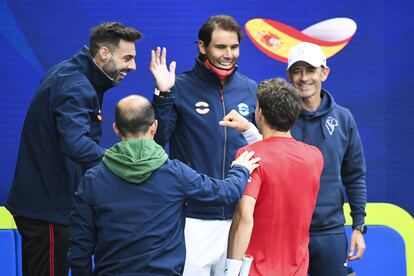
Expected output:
(390, 241)
(8, 257)
(10, 248)
(385, 254)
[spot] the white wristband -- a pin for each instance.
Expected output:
(232, 267)
(252, 134)
(247, 263)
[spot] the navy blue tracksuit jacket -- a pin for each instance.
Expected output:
(60, 139)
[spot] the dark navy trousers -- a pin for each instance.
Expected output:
(328, 255)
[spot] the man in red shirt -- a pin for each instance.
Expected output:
(272, 220)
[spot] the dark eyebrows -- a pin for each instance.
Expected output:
(128, 56)
(225, 45)
(308, 67)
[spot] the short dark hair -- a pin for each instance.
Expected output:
(221, 21)
(280, 103)
(133, 118)
(109, 34)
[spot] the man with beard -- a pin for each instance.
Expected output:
(60, 140)
(332, 129)
(188, 109)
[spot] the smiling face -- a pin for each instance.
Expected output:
(120, 61)
(308, 79)
(223, 49)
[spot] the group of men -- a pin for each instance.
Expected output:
(138, 211)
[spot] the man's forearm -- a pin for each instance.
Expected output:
(166, 116)
(252, 134)
(239, 237)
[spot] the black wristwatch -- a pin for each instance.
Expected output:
(361, 228)
(162, 93)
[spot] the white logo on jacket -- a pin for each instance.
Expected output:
(243, 109)
(202, 108)
(330, 124)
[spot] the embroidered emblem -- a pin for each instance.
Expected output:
(330, 124)
(202, 108)
(243, 109)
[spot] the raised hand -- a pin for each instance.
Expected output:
(164, 78)
(245, 159)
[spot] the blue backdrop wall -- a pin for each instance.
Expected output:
(371, 75)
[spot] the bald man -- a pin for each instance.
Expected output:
(128, 211)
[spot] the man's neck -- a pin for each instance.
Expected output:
(147, 136)
(223, 75)
(312, 103)
(268, 133)
(97, 62)
(100, 65)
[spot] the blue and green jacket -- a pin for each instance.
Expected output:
(129, 211)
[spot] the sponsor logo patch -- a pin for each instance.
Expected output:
(202, 108)
(243, 109)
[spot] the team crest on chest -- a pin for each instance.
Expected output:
(330, 124)
(202, 108)
(243, 109)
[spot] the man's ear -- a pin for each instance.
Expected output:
(325, 73)
(116, 130)
(288, 75)
(260, 114)
(201, 47)
(153, 127)
(104, 54)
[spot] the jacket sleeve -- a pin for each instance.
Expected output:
(81, 232)
(353, 175)
(202, 188)
(72, 111)
(166, 114)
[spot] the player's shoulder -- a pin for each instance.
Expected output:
(309, 148)
(244, 77)
(256, 147)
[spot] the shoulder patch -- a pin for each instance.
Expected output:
(243, 109)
